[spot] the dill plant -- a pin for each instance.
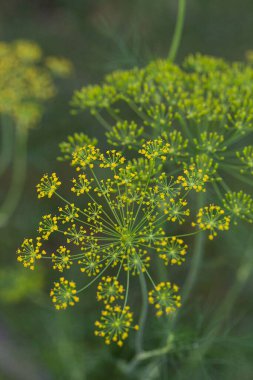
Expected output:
(116, 227)
(26, 83)
(192, 126)
(203, 110)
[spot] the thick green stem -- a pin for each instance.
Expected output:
(10, 203)
(178, 31)
(143, 315)
(196, 257)
(6, 143)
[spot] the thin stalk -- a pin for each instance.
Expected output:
(146, 355)
(143, 315)
(10, 203)
(176, 39)
(127, 288)
(94, 279)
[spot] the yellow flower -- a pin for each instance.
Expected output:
(29, 252)
(48, 185)
(165, 298)
(115, 324)
(64, 294)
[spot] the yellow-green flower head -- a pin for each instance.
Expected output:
(202, 109)
(30, 252)
(75, 234)
(94, 97)
(68, 213)
(64, 294)
(212, 218)
(112, 159)
(61, 259)
(194, 178)
(177, 145)
(155, 148)
(81, 185)
(125, 134)
(114, 324)
(239, 205)
(74, 143)
(85, 156)
(210, 142)
(25, 82)
(91, 264)
(246, 159)
(172, 251)
(109, 290)
(47, 226)
(165, 298)
(117, 226)
(48, 185)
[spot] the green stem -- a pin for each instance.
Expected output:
(146, 355)
(196, 258)
(18, 177)
(6, 143)
(94, 279)
(143, 315)
(178, 31)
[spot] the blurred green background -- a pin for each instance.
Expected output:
(99, 36)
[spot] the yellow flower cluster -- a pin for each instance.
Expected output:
(112, 160)
(81, 185)
(155, 148)
(109, 290)
(212, 218)
(194, 178)
(62, 259)
(172, 251)
(115, 324)
(48, 185)
(165, 298)
(85, 156)
(30, 252)
(118, 227)
(26, 80)
(64, 294)
(47, 226)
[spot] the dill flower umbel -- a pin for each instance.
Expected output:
(109, 289)
(27, 80)
(48, 185)
(212, 218)
(30, 252)
(115, 324)
(64, 294)
(203, 109)
(165, 298)
(115, 225)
